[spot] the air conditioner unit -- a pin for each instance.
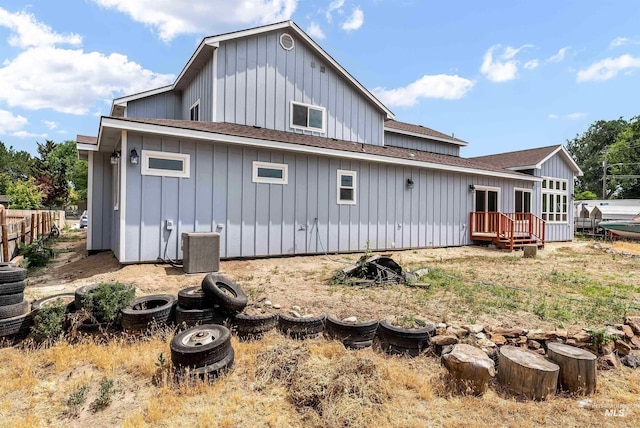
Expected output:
(200, 252)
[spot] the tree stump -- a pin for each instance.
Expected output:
(530, 251)
(577, 368)
(526, 373)
(470, 367)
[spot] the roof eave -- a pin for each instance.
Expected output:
(425, 136)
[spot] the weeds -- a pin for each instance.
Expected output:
(105, 395)
(37, 254)
(105, 301)
(76, 399)
(49, 322)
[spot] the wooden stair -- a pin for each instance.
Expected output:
(507, 231)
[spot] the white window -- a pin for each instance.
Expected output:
(165, 164)
(271, 173)
(347, 187)
(116, 185)
(305, 116)
(194, 111)
(523, 200)
(555, 194)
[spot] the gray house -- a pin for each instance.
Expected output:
(266, 139)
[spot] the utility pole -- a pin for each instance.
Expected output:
(604, 176)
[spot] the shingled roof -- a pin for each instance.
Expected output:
(527, 159)
(264, 134)
(422, 130)
(85, 139)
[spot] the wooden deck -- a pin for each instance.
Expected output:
(509, 231)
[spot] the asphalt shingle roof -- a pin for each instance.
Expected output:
(518, 158)
(419, 129)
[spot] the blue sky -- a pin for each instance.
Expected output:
(502, 75)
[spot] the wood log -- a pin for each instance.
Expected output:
(470, 367)
(530, 251)
(526, 373)
(577, 368)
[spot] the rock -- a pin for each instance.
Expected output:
(350, 319)
(441, 325)
(486, 343)
(444, 340)
(607, 348)
(508, 332)
(631, 360)
(296, 308)
(458, 331)
(276, 306)
(561, 334)
(498, 339)
(635, 342)
(473, 328)
(421, 272)
(622, 348)
(534, 344)
(541, 335)
(295, 314)
(628, 331)
(308, 316)
(614, 333)
(540, 351)
(267, 303)
(609, 361)
(481, 336)
(634, 323)
(583, 336)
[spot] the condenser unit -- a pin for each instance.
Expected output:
(200, 252)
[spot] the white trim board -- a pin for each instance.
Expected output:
(424, 136)
(90, 203)
(123, 196)
(109, 122)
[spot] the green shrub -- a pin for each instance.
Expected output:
(49, 322)
(106, 300)
(36, 254)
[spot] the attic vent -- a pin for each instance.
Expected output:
(286, 41)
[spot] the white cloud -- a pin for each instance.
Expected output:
(504, 66)
(621, 41)
(172, 18)
(428, 86)
(552, 116)
(333, 6)
(26, 134)
(315, 31)
(10, 122)
(559, 56)
(355, 21)
(576, 116)
(532, 64)
(608, 68)
(50, 124)
(43, 75)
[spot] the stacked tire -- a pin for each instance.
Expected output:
(149, 311)
(195, 308)
(402, 341)
(353, 335)
(15, 319)
(202, 351)
(225, 293)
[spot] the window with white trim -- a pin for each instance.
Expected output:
(165, 164)
(270, 173)
(555, 194)
(308, 117)
(347, 187)
(194, 111)
(523, 200)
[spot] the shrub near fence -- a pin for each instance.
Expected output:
(25, 226)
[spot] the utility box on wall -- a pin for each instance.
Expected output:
(200, 252)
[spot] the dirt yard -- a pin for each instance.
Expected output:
(568, 285)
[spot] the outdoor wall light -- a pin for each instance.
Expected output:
(409, 183)
(115, 157)
(472, 187)
(133, 156)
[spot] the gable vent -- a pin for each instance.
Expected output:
(286, 41)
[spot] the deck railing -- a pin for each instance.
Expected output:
(507, 226)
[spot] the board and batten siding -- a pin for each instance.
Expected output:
(415, 143)
(200, 88)
(257, 80)
(556, 167)
(301, 217)
(101, 209)
(167, 105)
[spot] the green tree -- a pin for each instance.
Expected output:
(24, 195)
(14, 166)
(624, 160)
(586, 196)
(50, 172)
(588, 151)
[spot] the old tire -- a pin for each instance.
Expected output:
(12, 274)
(301, 328)
(352, 335)
(402, 341)
(224, 292)
(11, 299)
(192, 317)
(68, 299)
(209, 372)
(254, 326)
(80, 292)
(12, 287)
(143, 311)
(193, 298)
(11, 311)
(17, 327)
(200, 346)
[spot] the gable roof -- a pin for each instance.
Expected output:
(281, 140)
(420, 131)
(529, 158)
(86, 139)
(209, 44)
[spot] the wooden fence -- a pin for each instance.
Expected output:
(25, 226)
